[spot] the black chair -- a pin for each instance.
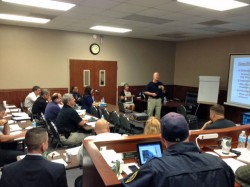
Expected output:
(128, 127)
(46, 125)
(191, 119)
(100, 113)
(191, 102)
(78, 181)
(94, 111)
(106, 115)
(116, 121)
(56, 135)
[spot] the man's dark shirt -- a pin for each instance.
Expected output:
(154, 88)
(39, 106)
(220, 124)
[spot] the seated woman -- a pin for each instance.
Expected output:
(127, 98)
(76, 95)
(152, 126)
(87, 99)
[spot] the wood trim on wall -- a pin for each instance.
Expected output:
(16, 96)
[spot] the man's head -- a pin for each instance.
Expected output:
(174, 128)
(36, 140)
(102, 126)
(45, 94)
(156, 77)
(69, 100)
(216, 112)
(74, 89)
(57, 98)
(2, 111)
(36, 90)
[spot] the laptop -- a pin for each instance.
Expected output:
(146, 151)
(123, 109)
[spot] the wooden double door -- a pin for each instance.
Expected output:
(100, 75)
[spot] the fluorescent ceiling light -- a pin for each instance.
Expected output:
(220, 5)
(56, 5)
(110, 29)
(23, 18)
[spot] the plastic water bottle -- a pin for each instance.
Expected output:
(102, 117)
(33, 123)
(248, 143)
(242, 140)
(103, 100)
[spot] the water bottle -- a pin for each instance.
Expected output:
(242, 140)
(102, 117)
(103, 100)
(248, 143)
(34, 123)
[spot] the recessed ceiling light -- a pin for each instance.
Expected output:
(23, 18)
(110, 29)
(220, 5)
(56, 5)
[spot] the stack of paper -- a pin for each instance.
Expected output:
(15, 127)
(23, 114)
(14, 110)
(10, 106)
(19, 118)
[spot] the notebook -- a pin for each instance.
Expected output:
(146, 151)
(123, 109)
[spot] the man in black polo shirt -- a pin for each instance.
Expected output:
(154, 90)
(69, 122)
(41, 102)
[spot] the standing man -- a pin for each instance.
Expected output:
(34, 170)
(154, 90)
(31, 97)
(182, 164)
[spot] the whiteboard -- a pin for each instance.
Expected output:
(208, 89)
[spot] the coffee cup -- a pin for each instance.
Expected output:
(226, 144)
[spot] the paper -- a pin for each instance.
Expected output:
(81, 112)
(245, 155)
(23, 114)
(219, 152)
(17, 132)
(87, 117)
(60, 161)
(233, 163)
(14, 110)
(7, 116)
(92, 124)
(73, 151)
(10, 122)
(29, 127)
(10, 106)
(15, 127)
(21, 118)
(7, 110)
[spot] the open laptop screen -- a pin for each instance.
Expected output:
(148, 150)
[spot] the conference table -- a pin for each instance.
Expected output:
(96, 172)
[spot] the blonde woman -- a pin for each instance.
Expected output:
(152, 126)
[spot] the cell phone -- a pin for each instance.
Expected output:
(133, 168)
(236, 152)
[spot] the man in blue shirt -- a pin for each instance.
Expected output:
(155, 90)
(182, 164)
(53, 108)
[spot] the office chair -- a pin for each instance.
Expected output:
(191, 102)
(191, 119)
(116, 121)
(46, 125)
(128, 128)
(94, 111)
(106, 115)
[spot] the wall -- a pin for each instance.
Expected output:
(30, 56)
(207, 57)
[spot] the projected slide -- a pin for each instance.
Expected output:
(239, 80)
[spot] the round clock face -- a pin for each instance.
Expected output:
(94, 48)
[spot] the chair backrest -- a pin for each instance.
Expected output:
(125, 122)
(106, 115)
(115, 119)
(191, 97)
(54, 130)
(182, 110)
(100, 113)
(93, 111)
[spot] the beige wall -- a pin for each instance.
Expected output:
(31, 56)
(207, 57)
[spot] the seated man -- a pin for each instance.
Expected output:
(69, 123)
(182, 164)
(8, 150)
(127, 98)
(76, 95)
(31, 97)
(102, 132)
(242, 175)
(217, 119)
(52, 109)
(41, 103)
(34, 170)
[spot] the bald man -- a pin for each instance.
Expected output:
(102, 133)
(155, 92)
